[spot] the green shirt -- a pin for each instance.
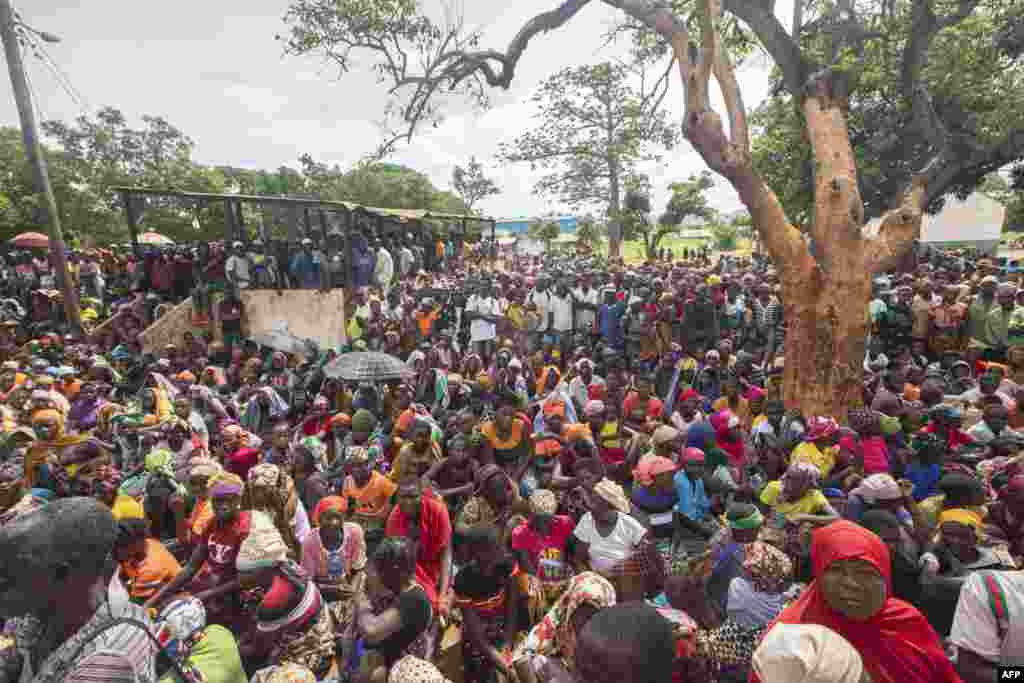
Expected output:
(216, 656)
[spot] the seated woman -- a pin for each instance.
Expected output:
(106, 482)
(372, 493)
(547, 654)
(201, 470)
(15, 499)
(240, 455)
(393, 615)
(654, 496)
(506, 438)
(293, 622)
(795, 500)
(819, 447)
(852, 595)
(496, 502)
(755, 598)
(271, 490)
(959, 555)
(146, 565)
(1006, 516)
(540, 544)
(211, 568)
(727, 550)
(489, 594)
(617, 546)
(202, 652)
(334, 554)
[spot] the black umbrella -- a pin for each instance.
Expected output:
(367, 366)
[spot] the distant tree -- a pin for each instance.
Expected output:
(594, 127)
(589, 231)
(471, 184)
(724, 234)
(544, 230)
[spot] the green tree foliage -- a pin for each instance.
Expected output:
(100, 152)
(590, 231)
(965, 90)
(724, 234)
(546, 231)
(471, 184)
(1009, 193)
(595, 125)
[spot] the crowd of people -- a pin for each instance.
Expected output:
(584, 473)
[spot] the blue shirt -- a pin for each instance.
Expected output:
(692, 500)
(925, 479)
(609, 320)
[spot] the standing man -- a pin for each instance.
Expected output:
(237, 269)
(541, 298)
(586, 299)
(305, 266)
(562, 317)
(483, 311)
(384, 269)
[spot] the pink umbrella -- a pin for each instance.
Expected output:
(31, 239)
(154, 238)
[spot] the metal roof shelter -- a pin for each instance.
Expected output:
(378, 220)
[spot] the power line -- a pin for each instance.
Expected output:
(62, 79)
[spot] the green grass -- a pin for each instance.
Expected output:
(633, 251)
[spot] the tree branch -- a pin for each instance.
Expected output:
(899, 228)
(942, 173)
(784, 50)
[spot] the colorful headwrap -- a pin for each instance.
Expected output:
(593, 408)
(343, 419)
(263, 547)
(203, 466)
(265, 475)
(650, 466)
(554, 408)
(820, 428)
(804, 474)
(225, 483)
(767, 567)
(411, 669)
(178, 624)
(335, 503)
(693, 456)
(752, 521)
(612, 494)
(961, 516)
(543, 502)
(358, 454)
(862, 419)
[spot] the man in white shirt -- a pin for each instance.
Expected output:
(561, 317)
(405, 259)
(541, 298)
(236, 269)
(988, 626)
(585, 297)
(483, 311)
(384, 270)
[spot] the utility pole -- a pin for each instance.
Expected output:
(33, 152)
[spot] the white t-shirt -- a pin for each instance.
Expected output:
(562, 308)
(974, 623)
(238, 268)
(543, 302)
(585, 317)
(482, 330)
(607, 552)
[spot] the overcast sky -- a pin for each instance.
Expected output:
(214, 69)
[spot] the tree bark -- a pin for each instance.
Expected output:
(614, 211)
(825, 296)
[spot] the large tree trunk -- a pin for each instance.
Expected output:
(614, 211)
(825, 296)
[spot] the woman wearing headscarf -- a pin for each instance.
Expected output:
(701, 435)
(755, 598)
(496, 502)
(807, 653)
(293, 622)
(201, 470)
(52, 445)
(540, 544)
(211, 572)
(203, 652)
(727, 550)
(15, 499)
(106, 480)
(654, 493)
(852, 595)
(334, 554)
(264, 407)
(796, 502)
(547, 654)
(819, 446)
(617, 546)
(271, 490)
(85, 409)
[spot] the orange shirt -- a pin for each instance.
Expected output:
(157, 569)
(372, 499)
(425, 321)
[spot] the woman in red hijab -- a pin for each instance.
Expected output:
(852, 595)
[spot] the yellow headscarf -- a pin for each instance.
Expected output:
(39, 450)
(961, 516)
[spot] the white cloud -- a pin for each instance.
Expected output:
(224, 81)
